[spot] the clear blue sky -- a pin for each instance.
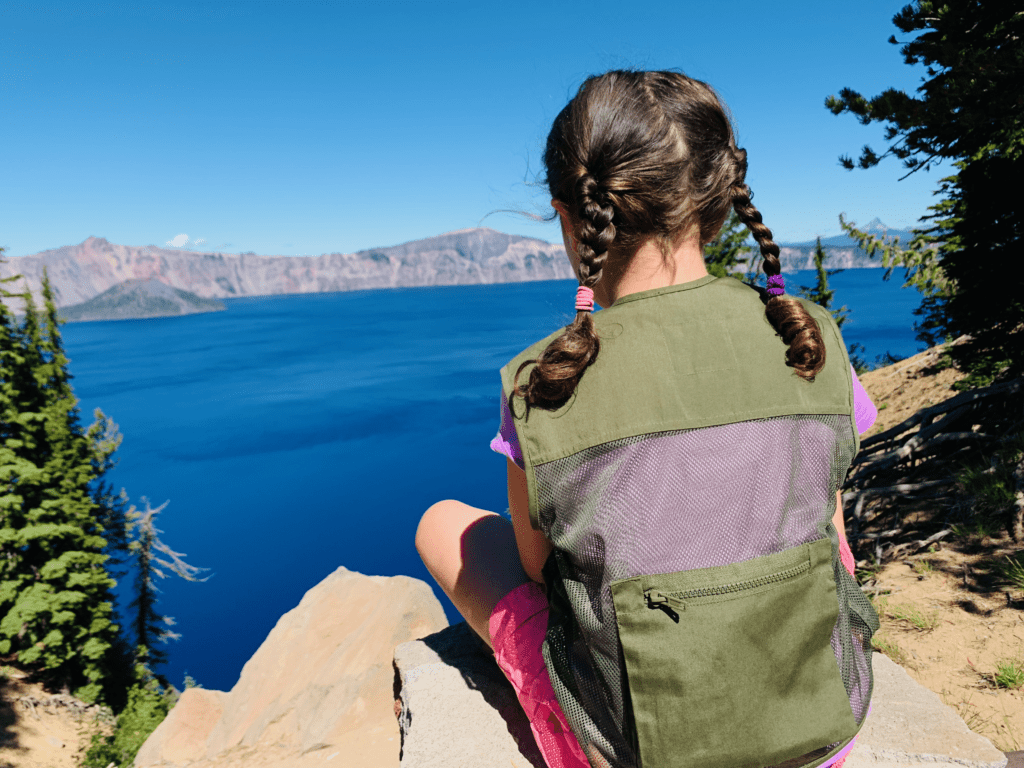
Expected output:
(310, 127)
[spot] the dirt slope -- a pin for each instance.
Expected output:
(964, 627)
(39, 729)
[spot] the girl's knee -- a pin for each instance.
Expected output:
(441, 526)
(430, 522)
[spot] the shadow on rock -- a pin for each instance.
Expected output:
(455, 700)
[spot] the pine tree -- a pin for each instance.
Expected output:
(54, 590)
(968, 111)
(12, 371)
(730, 250)
(21, 471)
(15, 424)
(64, 533)
(820, 293)
(147, 548)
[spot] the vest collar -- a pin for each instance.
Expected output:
(698, 283)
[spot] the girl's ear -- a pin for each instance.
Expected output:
(566, 222)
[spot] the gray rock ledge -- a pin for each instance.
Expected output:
(457, 709)
(909, 725)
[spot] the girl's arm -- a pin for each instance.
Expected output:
(837, 519)
(845, 555)
(534, 547)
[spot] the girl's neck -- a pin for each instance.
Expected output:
(652, 267)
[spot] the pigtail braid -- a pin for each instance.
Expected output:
(562, 364)
(806, 353)
(596, 230)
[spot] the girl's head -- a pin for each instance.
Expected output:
(637, 157)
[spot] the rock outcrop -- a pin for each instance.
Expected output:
(909, 724)
(841, 251)
(323, 688)
(319, 688)
(457, 710)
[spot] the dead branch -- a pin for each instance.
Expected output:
(890, 490)
(923, 443)
(874, 536)
(929, 414)
(1017, 520)
(916, 546)
(902, 463)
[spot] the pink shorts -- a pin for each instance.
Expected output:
(517, 627)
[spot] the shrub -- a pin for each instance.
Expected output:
(147, 706)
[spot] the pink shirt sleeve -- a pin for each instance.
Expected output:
(506, 442)
(863, 409)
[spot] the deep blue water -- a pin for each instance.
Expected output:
(294, 434)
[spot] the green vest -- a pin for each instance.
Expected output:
(700, 614)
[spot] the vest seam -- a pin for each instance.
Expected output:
(645, 430)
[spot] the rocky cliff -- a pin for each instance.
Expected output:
(319, 688)
(794, 257)
(80, 272)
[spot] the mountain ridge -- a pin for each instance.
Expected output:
(873, 227)
(79, 273)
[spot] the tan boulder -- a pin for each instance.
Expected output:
(319, 687)
(182, 737)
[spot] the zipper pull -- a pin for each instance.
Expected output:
(658, 599)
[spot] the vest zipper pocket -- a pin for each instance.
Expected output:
(666, 601)
(732, 665)
(658, 599)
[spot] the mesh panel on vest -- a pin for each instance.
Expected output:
(675, 501)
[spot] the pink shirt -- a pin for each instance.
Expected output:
(506, 442)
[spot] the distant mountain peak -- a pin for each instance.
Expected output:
(467, 230)
(876, 225)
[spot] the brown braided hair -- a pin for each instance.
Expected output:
(636, 156)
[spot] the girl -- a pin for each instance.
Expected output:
(675, 585)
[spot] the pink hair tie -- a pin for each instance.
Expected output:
(584, 299)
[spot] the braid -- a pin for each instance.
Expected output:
(596, 230)
(787, 316)
(562, 364)
(749, 215)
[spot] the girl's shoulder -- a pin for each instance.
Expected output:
(706, 305)
(532, 352)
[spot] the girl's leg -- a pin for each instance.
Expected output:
(472, 555)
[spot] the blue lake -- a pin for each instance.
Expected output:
(295, 434)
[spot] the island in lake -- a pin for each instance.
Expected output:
(135, 299)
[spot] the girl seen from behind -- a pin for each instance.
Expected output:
(675, 587)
